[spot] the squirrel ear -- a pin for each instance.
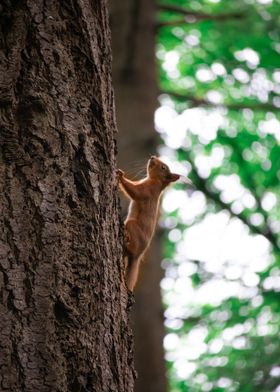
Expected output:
(174, 177)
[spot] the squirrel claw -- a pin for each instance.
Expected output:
(130, 300)
(120, 173)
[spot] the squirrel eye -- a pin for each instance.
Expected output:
(163, 167)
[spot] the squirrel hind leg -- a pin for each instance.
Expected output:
(135, 245)
(135, 240)
(127, 238)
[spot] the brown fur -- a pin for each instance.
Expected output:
(143, 211)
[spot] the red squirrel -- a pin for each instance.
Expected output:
(143, 211)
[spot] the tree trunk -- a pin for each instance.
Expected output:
(63, 304)
(133, 33)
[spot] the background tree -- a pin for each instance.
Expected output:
(220, 84)
(133, 32)
(63, 305)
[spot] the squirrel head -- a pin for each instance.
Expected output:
(158, 170)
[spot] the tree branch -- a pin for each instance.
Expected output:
(176, 22)
(252, 185)
(196, 102)
(193, 16)
(214, 196)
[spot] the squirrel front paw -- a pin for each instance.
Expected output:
(120, 173)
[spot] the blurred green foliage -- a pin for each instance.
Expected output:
(224, 57)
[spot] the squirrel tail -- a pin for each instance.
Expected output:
(132, 271)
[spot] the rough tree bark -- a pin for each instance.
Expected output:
(134, 79)
(63, 323)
